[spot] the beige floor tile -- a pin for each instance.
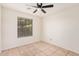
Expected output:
(60, 52)
(72, 54)
(38, 49)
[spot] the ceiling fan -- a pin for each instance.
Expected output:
(40, 5)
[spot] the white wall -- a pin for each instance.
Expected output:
(0, 27)
(10, 38)
(62, 29)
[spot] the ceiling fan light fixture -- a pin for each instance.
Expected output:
(40, 6)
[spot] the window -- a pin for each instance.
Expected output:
(24, 27)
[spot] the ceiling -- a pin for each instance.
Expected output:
(26, 7)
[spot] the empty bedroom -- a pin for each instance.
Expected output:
(39, 29)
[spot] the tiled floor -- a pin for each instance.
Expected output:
(38, 49)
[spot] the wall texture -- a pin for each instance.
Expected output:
(9, 26)
(62, 29)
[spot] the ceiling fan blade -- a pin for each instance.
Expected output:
(38, 5)
(41, 4)
(35, 11)
(47, 6)
(43, 10)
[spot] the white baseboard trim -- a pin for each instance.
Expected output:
(20, 45)
(53, 43)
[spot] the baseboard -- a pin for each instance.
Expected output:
(20, 45)
(61, 46)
